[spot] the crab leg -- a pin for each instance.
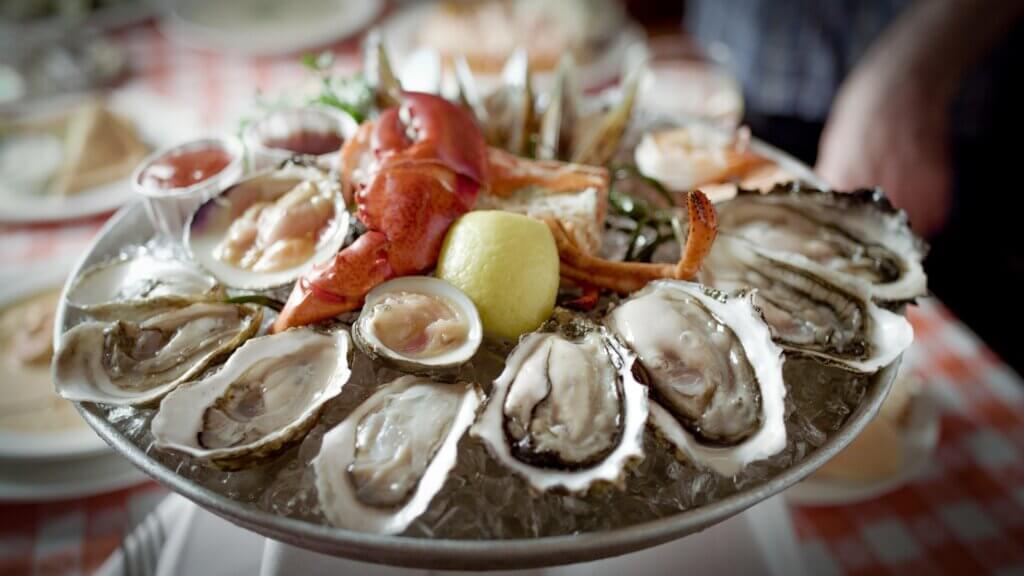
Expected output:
(626, 277)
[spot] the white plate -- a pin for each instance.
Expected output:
(920, 438)
(267, 28)
(44, 481)
(171, 125)
(44, 446)
(400, 34)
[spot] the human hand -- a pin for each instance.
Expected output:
(886, 130)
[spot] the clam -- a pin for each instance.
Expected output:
(378, 72)
(510, 108)
(380, 468)
(715, 375)
(599, 135)
(265, 397)
(270, 228)
(467, 92)
(554, 139)
(151, 349)
(419, 324)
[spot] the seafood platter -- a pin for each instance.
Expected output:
(496, 330)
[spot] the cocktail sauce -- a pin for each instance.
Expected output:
(184, 169)
(310, 142)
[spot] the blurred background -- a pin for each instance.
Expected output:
(919, 97)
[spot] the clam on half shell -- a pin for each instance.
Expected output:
(566, 412)
(717, 391)
(379, 469)
(149, 351)
(269, 228)
(419, 324)
(812, 309)
(266, 396)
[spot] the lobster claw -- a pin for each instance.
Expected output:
(429, 129)
(414, 170)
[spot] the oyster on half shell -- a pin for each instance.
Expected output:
(379, 469)
(266, 396)
(153, 348)
(567, 411)
(715, 375)
(108, 287)
(858, 233)
(812, 310)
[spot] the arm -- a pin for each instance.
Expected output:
(889, 123)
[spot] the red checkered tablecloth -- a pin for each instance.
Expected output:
(965, 514)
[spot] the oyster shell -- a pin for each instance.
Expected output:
(154, 347)
(380, 468)
(267, 395)
(418, 323)
(812, 309)
(270, 228)
(566, 411)
(131, 279)
(715, 375)
(856, 233)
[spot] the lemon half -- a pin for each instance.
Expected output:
(507, 264)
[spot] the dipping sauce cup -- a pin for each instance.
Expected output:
(174, 181)
(282, 134)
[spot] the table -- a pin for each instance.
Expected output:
(964, 515)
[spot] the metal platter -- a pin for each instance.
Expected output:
(130, 227)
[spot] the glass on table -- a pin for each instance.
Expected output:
(694, 82)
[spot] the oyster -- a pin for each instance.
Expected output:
(270, 228)
(858, 233)
(812, 309)
(152, 349)
(267, 395)
(566, 411)
(715, 375)
(132, 279)
(380, 468)
(418, 323)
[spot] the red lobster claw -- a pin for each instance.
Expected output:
(421, 165)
